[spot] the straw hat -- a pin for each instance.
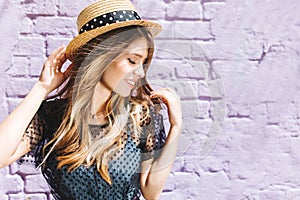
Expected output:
(103, 16)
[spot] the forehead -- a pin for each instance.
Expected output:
(139, 46)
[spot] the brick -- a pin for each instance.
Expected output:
(19, 66)
(190, 186)
(24, 169)
(14, 168)
(268, 195)
(192, 30)
(202, 144)
(12, 184)
(239, 44)
(211, 9)
(150, 9)
(3, 196)
(36, 184)
(173, 49)
(177, 165)
(215, 89)
(4, 170)
(55, 26)
(198, 109)
(192, 130)
(208, 164)
(36, 197)
(13, 103)
(293, 194)
(184, 89)
(51, 197)
(206, 50)
(10, 27)
(273, 112)
(72, 8)
(235, 78)
(259, 111)
(171, 195)
(40, 7)
(30, 46)
(19, 196)
(184, 10)
(294, 148)
(213, 1)
(238, 110)
(54, 42)
(20, 88)
(290, 124)
(3, 107)
(161, 69)
(167, 30)
(27, 25)
(253, 46)
(217, 111)
(204, 90)
(192, 70)
(201, 51)
(36, 66)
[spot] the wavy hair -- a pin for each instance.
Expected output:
(72, 142)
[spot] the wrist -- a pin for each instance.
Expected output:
(40, 89)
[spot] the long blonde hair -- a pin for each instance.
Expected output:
(72, 141)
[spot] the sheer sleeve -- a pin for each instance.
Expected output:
(33, 134)
(42, 127)
(153, 136)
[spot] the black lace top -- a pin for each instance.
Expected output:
(86, 182)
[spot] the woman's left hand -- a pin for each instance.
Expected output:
(172, 101)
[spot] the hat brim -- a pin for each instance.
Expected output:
(83, 38)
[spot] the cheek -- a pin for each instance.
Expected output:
(123, 69)
(116, 73)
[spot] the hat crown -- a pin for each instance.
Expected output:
(102, 7)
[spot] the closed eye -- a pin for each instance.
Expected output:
(132, 62)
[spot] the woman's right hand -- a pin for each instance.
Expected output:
(51, 76)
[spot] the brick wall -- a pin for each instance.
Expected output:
(234, 63)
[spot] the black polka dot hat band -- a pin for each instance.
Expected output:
(110, 18)
(103, 16)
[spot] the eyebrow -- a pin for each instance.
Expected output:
(139, 56)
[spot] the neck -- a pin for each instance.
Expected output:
(100, 97)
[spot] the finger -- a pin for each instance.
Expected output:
(61, 53)
(66, 73)
(60, 59)
(160, 97)
(57, 51)
(60, 62)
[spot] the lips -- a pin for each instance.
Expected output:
(130, 82)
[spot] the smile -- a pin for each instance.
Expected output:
(131, 83)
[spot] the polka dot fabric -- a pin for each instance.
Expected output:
(110, 18)
(86, 182)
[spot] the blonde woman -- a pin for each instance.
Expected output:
(101, 136)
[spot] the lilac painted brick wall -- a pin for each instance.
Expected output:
(234, 63)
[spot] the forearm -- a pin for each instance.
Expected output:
(14, 126)
(159, 170)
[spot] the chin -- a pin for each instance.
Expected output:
(123, 93)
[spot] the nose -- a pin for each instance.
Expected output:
(140, 72)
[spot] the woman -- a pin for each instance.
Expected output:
(100, 136)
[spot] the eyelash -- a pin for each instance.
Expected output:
(132, 62)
